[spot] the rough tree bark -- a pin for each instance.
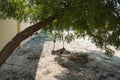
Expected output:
(12, 45)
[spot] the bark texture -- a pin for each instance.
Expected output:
(12, 45)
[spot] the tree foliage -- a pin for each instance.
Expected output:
(99, 19)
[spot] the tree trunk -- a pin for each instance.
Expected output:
(12, 45)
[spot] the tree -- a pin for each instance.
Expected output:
(99, 19)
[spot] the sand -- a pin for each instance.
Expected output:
(34, 61)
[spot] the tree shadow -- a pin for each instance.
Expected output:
(23, 63)
(98, 67)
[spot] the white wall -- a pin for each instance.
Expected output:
(23, 26)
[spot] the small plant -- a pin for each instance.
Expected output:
(109, 52)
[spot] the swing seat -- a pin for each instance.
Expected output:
(58, 52)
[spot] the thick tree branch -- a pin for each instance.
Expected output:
(12, 45)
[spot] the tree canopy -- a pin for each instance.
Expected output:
(99, 19)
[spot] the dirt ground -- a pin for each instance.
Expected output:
(34, 61)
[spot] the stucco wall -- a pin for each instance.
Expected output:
(8, 29)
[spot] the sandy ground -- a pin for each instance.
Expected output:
(34, 61)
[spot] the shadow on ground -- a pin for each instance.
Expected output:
(23, 63)
(98, 67)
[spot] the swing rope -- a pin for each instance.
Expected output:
(62, 39)
(54, 41)
(53, 50)
(54, 44)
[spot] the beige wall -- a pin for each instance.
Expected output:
(8, 29)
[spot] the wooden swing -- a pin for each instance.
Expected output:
(58, 52)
